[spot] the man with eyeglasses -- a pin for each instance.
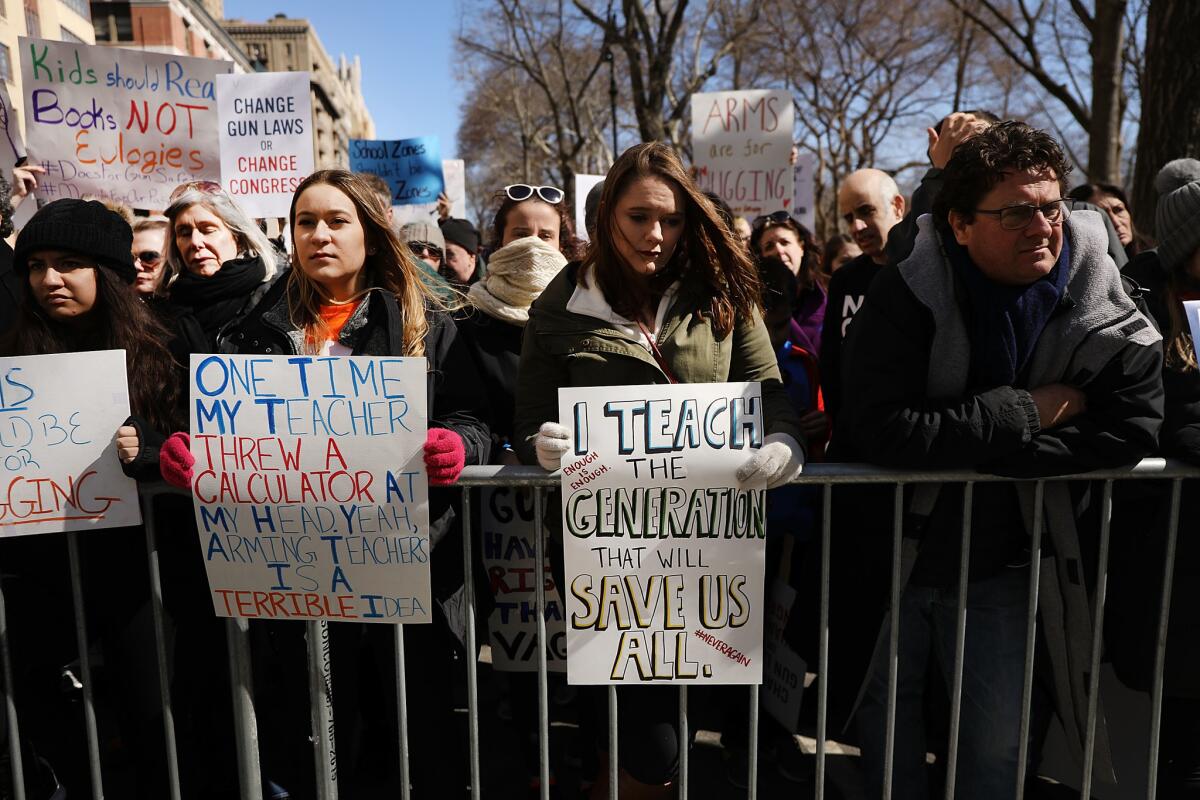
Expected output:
(426, 242)
(1006, 343)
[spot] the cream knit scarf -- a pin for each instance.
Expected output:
(516, 274)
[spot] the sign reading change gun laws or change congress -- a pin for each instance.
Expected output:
(127, 125)
(59, 470)
(266, 139)
(310, 489)
(664, 550)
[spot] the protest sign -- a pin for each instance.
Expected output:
(506, 520)
(664, 550)
(412, 168)
(59, 416)
(454, 175)
(583, 185)
(266, 138)
(804, 203)
(126, 125)
(1191, 309)
(12, 150)
(742, 146)
(783, 675)
(310, 489)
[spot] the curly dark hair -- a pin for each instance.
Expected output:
(982, 161)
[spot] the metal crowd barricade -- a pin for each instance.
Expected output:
(826, 475)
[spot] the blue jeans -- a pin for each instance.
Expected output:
(993, 673)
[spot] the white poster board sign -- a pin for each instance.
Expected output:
(266, 138)
(59, 416)
(125, 125)
(454, 175)
(507, 522)
(1191, 309)
(742, 147)
(783, 676)
(310, 489)
(583, 185)
(805, 203)
(664, 550)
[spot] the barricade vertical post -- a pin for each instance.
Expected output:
(684, 739)
(1160, 640)
(472, 655)
(85, 668)
(1089, 747)
(160, 644)
(823, 646)
(539, 566)
(402, 713)
(245, 725)
(752, 746)
(1035, 576)
(614, 769)
(889, 750)
(10, 709)
(960, 638)
(320, 692)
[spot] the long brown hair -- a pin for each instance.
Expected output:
(389, 265)
(708, 256)
(118, 320)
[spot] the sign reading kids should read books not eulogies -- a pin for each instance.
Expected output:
(664, 549)
(310, 489)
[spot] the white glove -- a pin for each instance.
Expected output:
(551, 442)
(780, 460)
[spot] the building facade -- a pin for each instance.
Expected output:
(173, 27)
(282, 44)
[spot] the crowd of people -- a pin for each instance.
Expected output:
(995, 321)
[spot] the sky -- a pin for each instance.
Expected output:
(406, 48)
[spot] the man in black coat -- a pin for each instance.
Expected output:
(1006, 342)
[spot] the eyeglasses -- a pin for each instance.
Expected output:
(204, 187)
(148, 257)
(523, 191)
(1015, 218)
(777, 217)
(425, 250)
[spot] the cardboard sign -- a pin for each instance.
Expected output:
(266, 139)
(310, 489)
(126, 125)
(507, 517)
(742, 146)
(664, 550)
(411, 167)
(59, 416)
(805, 203)
(454, 176)
(583, 185)
(783, 677)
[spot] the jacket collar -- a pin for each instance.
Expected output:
(589, 301)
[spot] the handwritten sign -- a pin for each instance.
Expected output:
(1191, 309)
(127, 125)
(310, 489)
(454, 175)
(742, 146)
(59, 415)
(664, 550)
(783, 678)
(411, 167)
(266, 138)
(508, 555)
(583, 185)
(12, 150)
(804, 204)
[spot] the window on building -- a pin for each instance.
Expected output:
(5, 63)
(33, 26)
(112, 22)
(67, 36)
(80, 7)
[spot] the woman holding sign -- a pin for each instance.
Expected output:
(356, 289)
(666, 294)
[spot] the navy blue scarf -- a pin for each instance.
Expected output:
(1006, 321)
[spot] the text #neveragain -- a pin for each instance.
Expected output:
(310, 488)
(664, 549)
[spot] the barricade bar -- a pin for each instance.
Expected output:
(1160, 641)
(543, 698)
(85, 667)
(160, 647)
(10, 708)
(889, 748)
(402, 714)
(472, 658)
(1035, 576)
(1089, 746)
(823, 646)
(960, 639)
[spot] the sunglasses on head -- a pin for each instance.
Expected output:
(204, 187)
(148, 257)
(776, 217)
(523, 191)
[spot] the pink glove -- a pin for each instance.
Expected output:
(444, 456)
(175, 460)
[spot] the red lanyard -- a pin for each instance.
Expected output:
(658, 356)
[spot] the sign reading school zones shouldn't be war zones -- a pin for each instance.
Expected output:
(59, 469)
(412, 168)
(126, 125)
(266, 138)
(310, 489)
(742, 149)
(664, 550)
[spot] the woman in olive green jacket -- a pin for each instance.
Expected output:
(666, 294)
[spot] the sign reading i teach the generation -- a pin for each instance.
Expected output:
(310, 489)
(59, 470)
(664, 550)
(125, 125)
(266, 138)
